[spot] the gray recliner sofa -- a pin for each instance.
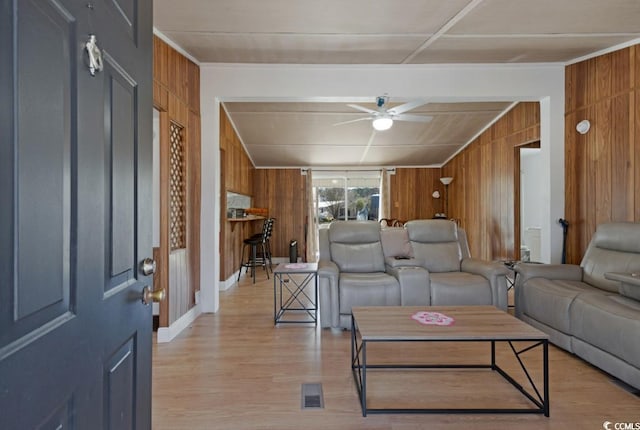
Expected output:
(591, 310)
(425, 264)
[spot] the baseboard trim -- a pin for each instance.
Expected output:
(231, 281)
(166, 334)
(225, 285)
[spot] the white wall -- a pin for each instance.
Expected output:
(228, 82)
(531, 195)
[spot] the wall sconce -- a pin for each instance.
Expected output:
(436, 194)
(446, 181)
(583, 126)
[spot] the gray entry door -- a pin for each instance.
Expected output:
(75, 215)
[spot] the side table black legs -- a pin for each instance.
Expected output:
(292, 292)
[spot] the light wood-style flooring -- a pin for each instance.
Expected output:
(235, 370)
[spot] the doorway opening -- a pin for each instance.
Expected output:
(529, 199)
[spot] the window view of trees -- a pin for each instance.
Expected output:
(361, 202)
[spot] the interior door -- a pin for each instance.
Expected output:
(75, 215)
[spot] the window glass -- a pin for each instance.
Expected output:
(347, 196)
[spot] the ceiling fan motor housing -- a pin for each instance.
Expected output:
(381, 101)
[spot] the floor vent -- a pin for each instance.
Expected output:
(312, 396)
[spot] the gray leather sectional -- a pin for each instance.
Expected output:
(591, 310)
(425, 263)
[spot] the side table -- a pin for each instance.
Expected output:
(292, 283)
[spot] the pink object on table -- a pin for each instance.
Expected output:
(432, 318)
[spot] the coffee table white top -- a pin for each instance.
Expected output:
(470, 323)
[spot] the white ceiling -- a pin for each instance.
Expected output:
(398, 32)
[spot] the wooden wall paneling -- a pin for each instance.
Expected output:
(236, 176)
(621, 159)
(635, 141)
(603, 164)
(272, 187)
(493, 194)
(160, 96)
(487, 174)
(160, 282)
(172, 77)
(603, 86)
(601, 159)
(589, 179)
(482, 193)
(410, 193)
(160, 61)
(164, 218)
(574, 162)
(194, 91)
(621, 71)
(590, 84)
(570, 88)
(634, 66)
(173, 82)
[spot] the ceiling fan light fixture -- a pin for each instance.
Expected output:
(382, 123)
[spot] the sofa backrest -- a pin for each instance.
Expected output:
(395, 242)
(615, 247)
(355, 246)
(436, 244)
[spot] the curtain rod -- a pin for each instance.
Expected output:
(390, 170)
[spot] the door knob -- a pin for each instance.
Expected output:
(148, 266)
(149, 295)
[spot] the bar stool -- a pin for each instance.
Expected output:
(260, 250)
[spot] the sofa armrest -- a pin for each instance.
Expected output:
(328, 277)
(415, 286)
(327, 268)
(483, 268)
(495, 272)
(567, 272)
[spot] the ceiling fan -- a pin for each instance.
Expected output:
(382, 118)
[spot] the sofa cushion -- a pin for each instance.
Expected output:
(438, 257)
(432, 230)
(368, 289)
(435, 244)
(610, 323)
(358, 258)
(355, 246)
(459, 288)
(549, 301)
(395, 242)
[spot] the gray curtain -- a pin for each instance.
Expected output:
(385, 198)
(312, 230)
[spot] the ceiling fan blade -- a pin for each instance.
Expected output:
(413, 118)
(363, 109)
(407, 107)
(352, 120)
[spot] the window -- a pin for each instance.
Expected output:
(346, 195)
